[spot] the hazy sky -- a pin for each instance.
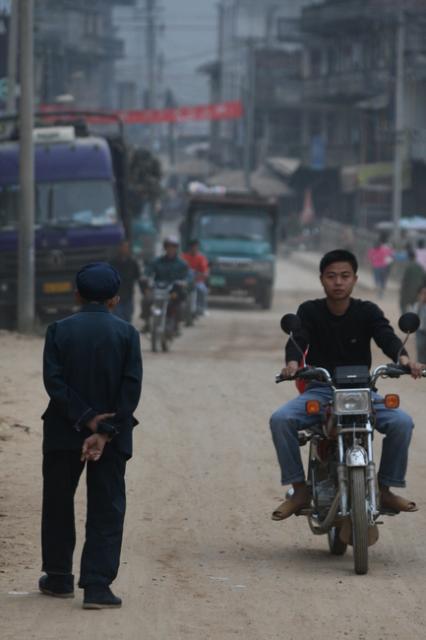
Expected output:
(189, 39)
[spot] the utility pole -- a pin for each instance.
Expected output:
(217, 128)
(12, 57)
(170, 103)
(249, 112)
(399, 126)
(26, 260)
(151, 57)
(151, 52)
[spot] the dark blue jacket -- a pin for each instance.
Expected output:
(92, 364)
(168, 270)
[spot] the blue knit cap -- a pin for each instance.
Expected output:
(98, 281)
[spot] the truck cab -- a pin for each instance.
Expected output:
(77, 218)
(238, 234)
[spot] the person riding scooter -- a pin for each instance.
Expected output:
(200, 266)
(337, 331)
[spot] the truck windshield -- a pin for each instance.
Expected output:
(247, 225)
(65, 204)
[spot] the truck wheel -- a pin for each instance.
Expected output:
(8, 319)
(264, 299)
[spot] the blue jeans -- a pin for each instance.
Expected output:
(395, 424)
(202, 292)
(381, 275)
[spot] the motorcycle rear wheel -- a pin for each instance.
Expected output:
(359, 519)
(336, 546)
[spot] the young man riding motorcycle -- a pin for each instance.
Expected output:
(167, 269)
(337, 331)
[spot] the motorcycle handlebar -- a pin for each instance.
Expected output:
(322, 375)
(392, 370)
(306, 373)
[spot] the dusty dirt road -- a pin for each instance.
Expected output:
(201, 557)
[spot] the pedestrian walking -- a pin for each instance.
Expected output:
(380, 257)
(413, 278)
(199, 265)
(421, 253)
(420, 309)
(92, 372)
(128, 269)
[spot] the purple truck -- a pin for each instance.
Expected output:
(77, 217)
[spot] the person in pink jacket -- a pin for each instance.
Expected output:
(380, 258)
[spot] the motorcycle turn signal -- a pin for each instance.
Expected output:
(391, 401)
(312, 407)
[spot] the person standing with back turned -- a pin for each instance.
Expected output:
(92, 372)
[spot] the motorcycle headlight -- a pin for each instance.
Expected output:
(352, 401)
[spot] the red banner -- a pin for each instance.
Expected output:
(219, 111)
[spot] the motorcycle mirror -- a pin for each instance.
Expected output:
(409, 322)
(290, 323)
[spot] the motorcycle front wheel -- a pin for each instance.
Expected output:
(336, 546)
(359, 519)
(164, 344)
(155, 331)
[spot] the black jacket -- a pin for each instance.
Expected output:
(92, 364)
(342, 340)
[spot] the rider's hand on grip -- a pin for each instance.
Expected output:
(290, 370)
(416, 369)
(395, 370)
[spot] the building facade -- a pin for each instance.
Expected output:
(76, 48)
(259, 61)
(349, 97)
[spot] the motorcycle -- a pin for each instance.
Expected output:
(164, 314)
(341, 477)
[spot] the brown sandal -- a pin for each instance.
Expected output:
(390, 501)
(289, 507)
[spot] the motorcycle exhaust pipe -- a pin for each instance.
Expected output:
(328, 521)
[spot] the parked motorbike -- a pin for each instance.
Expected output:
(341, 475)
(166, 299)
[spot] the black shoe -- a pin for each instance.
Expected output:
(58, 586)
(96, 597)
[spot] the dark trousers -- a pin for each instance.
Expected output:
(124, 310)
(106, 505)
